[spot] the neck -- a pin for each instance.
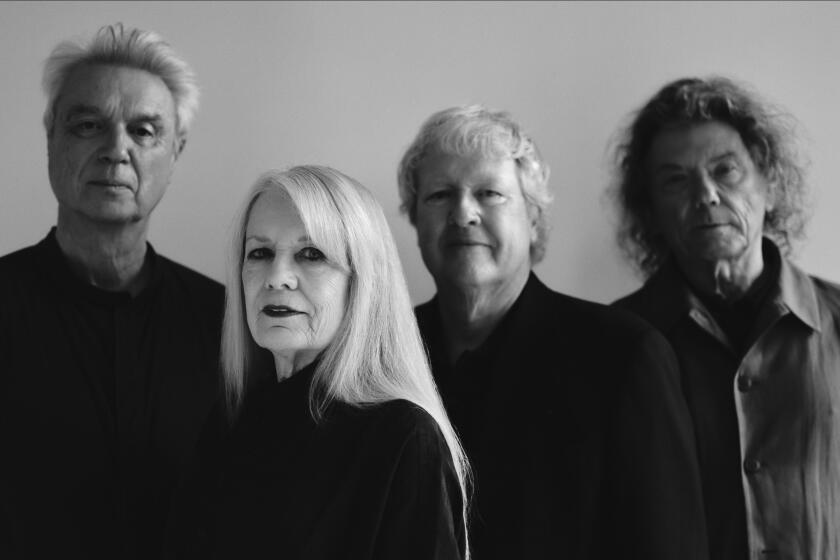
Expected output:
(470, 313)
(288, 364)
(110, 257)
(727, 279)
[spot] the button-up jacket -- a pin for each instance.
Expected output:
(767, 420)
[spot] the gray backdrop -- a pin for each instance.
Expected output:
(348, 84)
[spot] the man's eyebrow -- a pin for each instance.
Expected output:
(666, 167)
(81, 109)
(148, 117)
(725, 155)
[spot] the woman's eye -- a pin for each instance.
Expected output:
(257, 254)
(312, 254)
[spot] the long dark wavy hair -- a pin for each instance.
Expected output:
(767, 132)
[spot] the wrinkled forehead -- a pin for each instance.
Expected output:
(473, 168)
(694, 143)
(490, 141)
(115, 90)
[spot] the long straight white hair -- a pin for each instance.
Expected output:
(377, 354)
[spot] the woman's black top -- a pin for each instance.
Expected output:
(371, 482)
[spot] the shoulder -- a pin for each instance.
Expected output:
(191, 294)
(645, 300)
(18, 255)
(593, 348)
(578, 318)
(19, 273)
(395, 423)
(192, 281)
(826, 289)
(828, 295)
(193, 289)
(810, 294)
(18, 260)
(634, 300)
(404, 418)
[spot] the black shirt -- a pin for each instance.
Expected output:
(374, 482)
(102, 397)
(465, 388)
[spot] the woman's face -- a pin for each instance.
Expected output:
(295, 298)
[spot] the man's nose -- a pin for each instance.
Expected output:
(704, 190)
(465, 211)
(282, 274)
(116, 148)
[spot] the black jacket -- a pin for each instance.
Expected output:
(102, 398)
(580, 439)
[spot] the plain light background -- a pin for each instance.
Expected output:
(348, 85)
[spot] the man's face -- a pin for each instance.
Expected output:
(709, 199)
(113, 145)
(473, 224)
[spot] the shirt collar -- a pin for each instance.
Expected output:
(526, 304)
(795, 292)
(62, 275)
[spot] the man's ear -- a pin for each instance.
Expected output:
(533, 218)
(534, 230)
(770, 194)
(180, 142)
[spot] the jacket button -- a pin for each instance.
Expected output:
(752, 466)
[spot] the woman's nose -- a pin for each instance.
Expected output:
(281, 275)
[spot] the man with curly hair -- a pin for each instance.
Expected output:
(711, 193)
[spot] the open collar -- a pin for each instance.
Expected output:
(58, 270)
(669, 299)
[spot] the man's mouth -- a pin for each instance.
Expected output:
(279, 311)
(465, 243)
(708, 227)
(109, 184)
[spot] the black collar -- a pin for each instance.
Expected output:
(57, 268)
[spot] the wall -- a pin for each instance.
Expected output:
(348, 84)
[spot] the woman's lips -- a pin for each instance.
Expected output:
(279, 311)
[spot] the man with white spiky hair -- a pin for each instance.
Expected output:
(570, 412)
(109, 351)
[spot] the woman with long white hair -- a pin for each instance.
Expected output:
(335, 443)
